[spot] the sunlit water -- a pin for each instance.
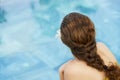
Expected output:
(29, 49)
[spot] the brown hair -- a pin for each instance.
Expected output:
(78, 33)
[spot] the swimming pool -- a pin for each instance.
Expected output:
(29, 49)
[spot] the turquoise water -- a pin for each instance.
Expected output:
(29, 49)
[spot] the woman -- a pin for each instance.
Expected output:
(92, 60)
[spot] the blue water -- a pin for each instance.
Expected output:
(29, 49)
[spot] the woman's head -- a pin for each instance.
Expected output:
(78, 32)
(77, 28)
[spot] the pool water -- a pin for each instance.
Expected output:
(29, 49)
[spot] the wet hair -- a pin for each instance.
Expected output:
(78, 33)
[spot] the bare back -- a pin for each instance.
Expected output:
(79, 70)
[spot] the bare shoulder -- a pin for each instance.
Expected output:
(100, 44)
(61, 70)
(106, 52)
(63, 66)
(73, 66)
(70, 66)
(78, 70)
